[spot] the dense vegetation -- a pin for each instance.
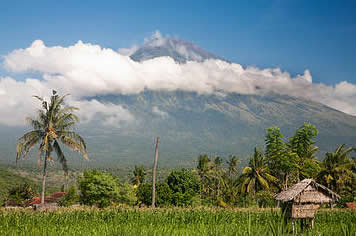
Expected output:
(184, 221)
(218, 182)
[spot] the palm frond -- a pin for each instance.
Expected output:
(62, 159)
(74, 145)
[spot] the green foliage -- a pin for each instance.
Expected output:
(163, 194)
(338, 170)
(138, 175)
(265, 198)
(98, 188)
(256, 176)
(281, 161)
(302, 144)
(21, 193)
(184, 185)
(10, 181)
(70, 198)
(127, 194)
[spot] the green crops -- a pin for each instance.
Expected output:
(175, 221)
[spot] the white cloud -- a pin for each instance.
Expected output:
(128, 51)
(159, 112)
(84, 69)
(105, 114)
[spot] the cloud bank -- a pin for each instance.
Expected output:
(85, 69)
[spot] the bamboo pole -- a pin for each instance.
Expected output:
(154, 174)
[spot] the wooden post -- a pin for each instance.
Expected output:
(154, 174)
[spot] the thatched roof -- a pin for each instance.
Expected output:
(295, 191)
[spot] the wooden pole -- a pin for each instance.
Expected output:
(154, 174)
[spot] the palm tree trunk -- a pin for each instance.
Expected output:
(154, 174)
(286, 182)
(44, 178)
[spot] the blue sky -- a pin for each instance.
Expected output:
(293, 35)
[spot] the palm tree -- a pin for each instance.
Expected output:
(337, 168)
(138, 175)
(229, 183)
(256, 176)
(218, 174)
(55, 123)
(232, 165)
(203, 167)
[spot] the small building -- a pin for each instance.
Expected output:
(302, 200)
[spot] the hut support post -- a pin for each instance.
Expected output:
(294, 226)
(312, 223)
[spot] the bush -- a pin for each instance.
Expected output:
(98, 188)
(163, 194)
(265, 198)
(127, 194)
(70, 198)
(184, 185)
(21, 193)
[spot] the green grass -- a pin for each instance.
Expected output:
(175, 221)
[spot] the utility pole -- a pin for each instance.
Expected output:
(154, 174)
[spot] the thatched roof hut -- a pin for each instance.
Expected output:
(307, 191)
(302, 200)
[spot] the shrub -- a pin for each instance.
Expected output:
(21, 193)
(70, 198)
(127, 194)
(163, 194)
(98, 188)
(184, 185)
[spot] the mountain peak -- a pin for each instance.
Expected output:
(180, 50)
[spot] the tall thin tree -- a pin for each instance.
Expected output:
(154, 173)
(54, 124)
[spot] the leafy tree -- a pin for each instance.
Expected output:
(256, 176)
(184, 185)
(98, 188)
(281, 161)
(138, 175)
(302, 144)
(163, 194)
(54, 124)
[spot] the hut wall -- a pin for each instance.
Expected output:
(312, 195)
(303, 210)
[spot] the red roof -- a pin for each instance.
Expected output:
(50, 199)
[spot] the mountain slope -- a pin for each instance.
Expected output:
(190, 124)
(180, 50)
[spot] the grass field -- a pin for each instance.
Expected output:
(172, 221)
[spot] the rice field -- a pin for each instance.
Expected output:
(169, 221)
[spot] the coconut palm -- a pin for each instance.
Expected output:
(203, 168)
(256, 176)
(337, 168)
(232, 165)
(54, 124)
(138, 175)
